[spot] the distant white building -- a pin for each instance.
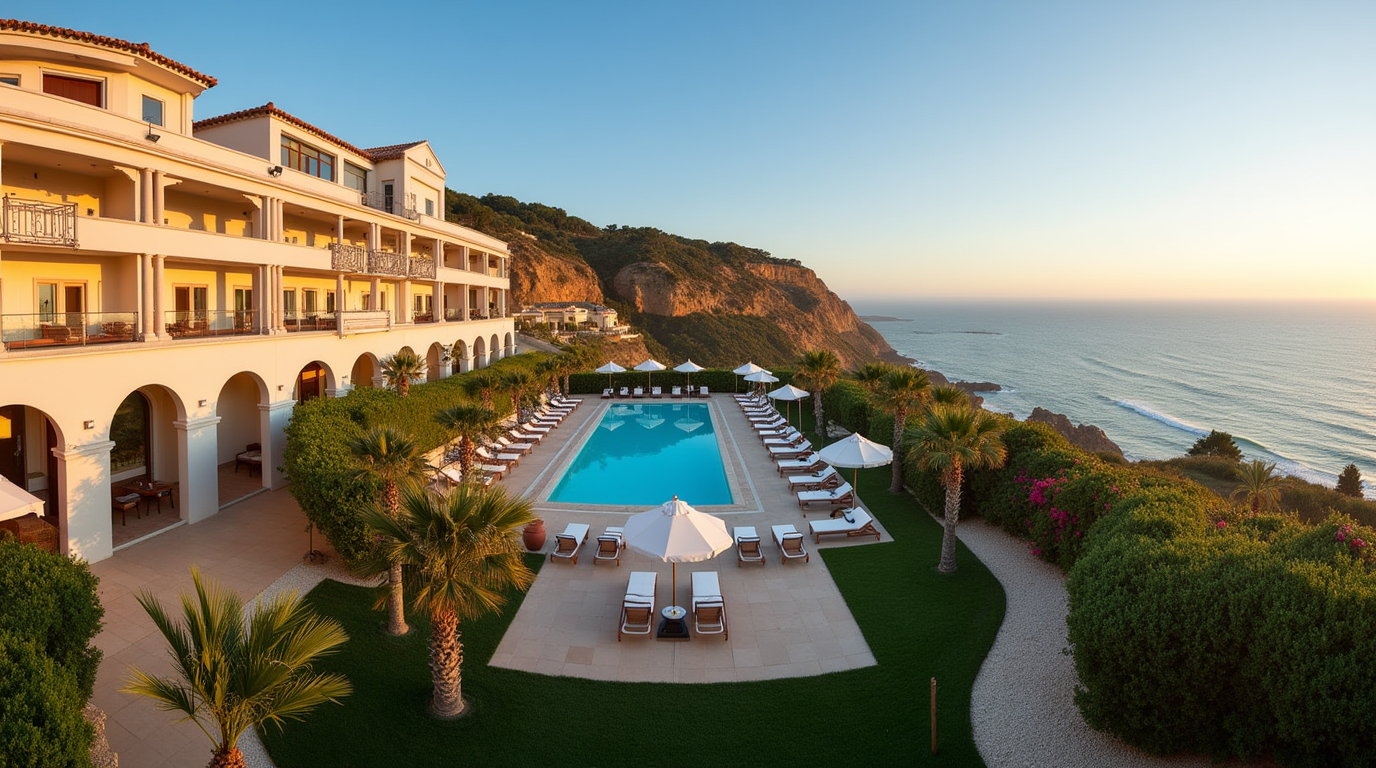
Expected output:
(572, 316)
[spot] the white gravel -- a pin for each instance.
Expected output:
(303, 579)
(1023, 705)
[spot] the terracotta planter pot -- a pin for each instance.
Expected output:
(534, 535)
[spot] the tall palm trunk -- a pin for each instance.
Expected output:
(567, 391)
(900, 421)
(396, 613)
(446, 662)
(404, 386)
(467, 450)
(952, 480)
(821, 424)
(229, 757)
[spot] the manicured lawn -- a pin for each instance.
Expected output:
(919, 625)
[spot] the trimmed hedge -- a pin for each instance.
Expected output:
(51, 600)
(41, 722)
(1195, 627)
(322, 469)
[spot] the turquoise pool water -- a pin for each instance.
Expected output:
(647, 453)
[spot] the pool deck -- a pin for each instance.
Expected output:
(784, 619)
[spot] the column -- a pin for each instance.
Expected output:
(273, 431)
(260, 229)
(374, 237)
(437, 300)
(463, 255)
(281, 218)
(501, 302)
(145, 193)
(463, 302)
(339, 229)
(158, 197)
(258, 293)
(439, 251)
(279, 305)
(150, 328)
(197, 467)
(79, 498)
(159, 315)
(339, 295)
(404, 302)
(375, 294)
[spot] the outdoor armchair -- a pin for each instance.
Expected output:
(567, 544)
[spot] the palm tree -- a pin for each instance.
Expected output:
(818, 370)
(392, 458)
(481, 384)
(950, 440)
(401, 369)
(948, 394)
(899, 393)
(518, 381)
(870, 375)
(1261, 487)
(575, 358)
(549, 370)
(467, 421)
(460, 551)
(231, 672)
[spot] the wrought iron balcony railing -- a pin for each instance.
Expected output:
(67, 328)
(207, 322)
(387, 263)
(422, 266)
(38, 223)
(348, 258)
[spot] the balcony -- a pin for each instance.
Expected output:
(38, 223)
(387, 263)
(67, 329)
(204, 323)
(348, 258)
(390, 204)
(315, 321)
(422, 266)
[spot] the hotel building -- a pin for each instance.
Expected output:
(170, 288)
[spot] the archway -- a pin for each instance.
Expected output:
(494, 348)
(432, 361)
(506, 348)
(27, 437)
(460, 354)
(365, 369)
(479, 353)
(239, 437)
(146, 464)
(311, 382)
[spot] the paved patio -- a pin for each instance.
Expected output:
(784, 619)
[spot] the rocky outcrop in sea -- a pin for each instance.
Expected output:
(1084, 436)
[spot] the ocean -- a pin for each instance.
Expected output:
(1294, 383)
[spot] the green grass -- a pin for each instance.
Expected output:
(919, 624)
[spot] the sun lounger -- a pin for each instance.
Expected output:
(638, 605)
(452, 477)
(747, 545)
(507, 444)
(709, 610)
(499, 458)
(607, 393)
(788, 439)
(676, 392)
(790, 543)
(657, 392)
(773, 418)
(572, 402)
(702, 391)
(842, 495)
(827, 478)
(527, 437)
(802, 465)
(608, 549)
(853, 522)
(791, 451)
(536, 427)
(638, 392)
(625, 392)
(567, 544)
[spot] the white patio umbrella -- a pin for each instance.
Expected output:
(649, 366)
(676, 533)
(609, 369)
(789, 393)
(746, 370)
(689, 368)
(855, 452)
(761, 377)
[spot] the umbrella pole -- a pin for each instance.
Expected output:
(673, 586)
(855, 483)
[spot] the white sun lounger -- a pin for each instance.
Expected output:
(788, 439)
(791, 451)
(638, 392)
(499, 458)
(702, 392)
(452, 476)
(790, 543)
(607, 393)
(521, 434)
(842, 495)
(747, 545)
(657, 392)
(814, 481)
(638, 605)
(571, 402)
(804, 465)
(853, 522)
(567, 544)
(709, 610)
(676, 392)
(507, 444)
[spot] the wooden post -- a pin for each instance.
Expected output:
(934, 715)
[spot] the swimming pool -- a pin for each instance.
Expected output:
(646, 453)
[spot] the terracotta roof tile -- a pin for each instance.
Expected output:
(375, 154)
(138, 49)
(391, 151)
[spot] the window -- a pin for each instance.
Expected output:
(429, 207)
(289, 302)
(190, 302)
(329, 301)
(355, 178)
(388, 196)
(9, 79)
(307, 159)
(152, 110)
(85, 91)
(308, 301)
(129, 430)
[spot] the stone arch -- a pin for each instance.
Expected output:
(462, 364)
(315, 379)
(240, 408)
(506, 346)
(494, 348)
(433, 356)
(479, 353)
(365, 369)
(28, 436)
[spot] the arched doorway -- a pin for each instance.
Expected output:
(239, 437)
(27, 437)
(311, 382)
(432, 362)
(365, 369)
(494, 349)
(460, 353)
(506, 348)
(146, 464)
(479, 353)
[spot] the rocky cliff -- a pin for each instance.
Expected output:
(537, 275)
(1085, 436)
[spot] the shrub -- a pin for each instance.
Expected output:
(1216, 444)
(41, 722)
(1350, 482)
(51, 601)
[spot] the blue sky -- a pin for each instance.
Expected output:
(1094, 150)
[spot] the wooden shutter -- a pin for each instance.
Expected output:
(84, 91)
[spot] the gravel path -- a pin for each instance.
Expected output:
(1023, 706)
(303, 579)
